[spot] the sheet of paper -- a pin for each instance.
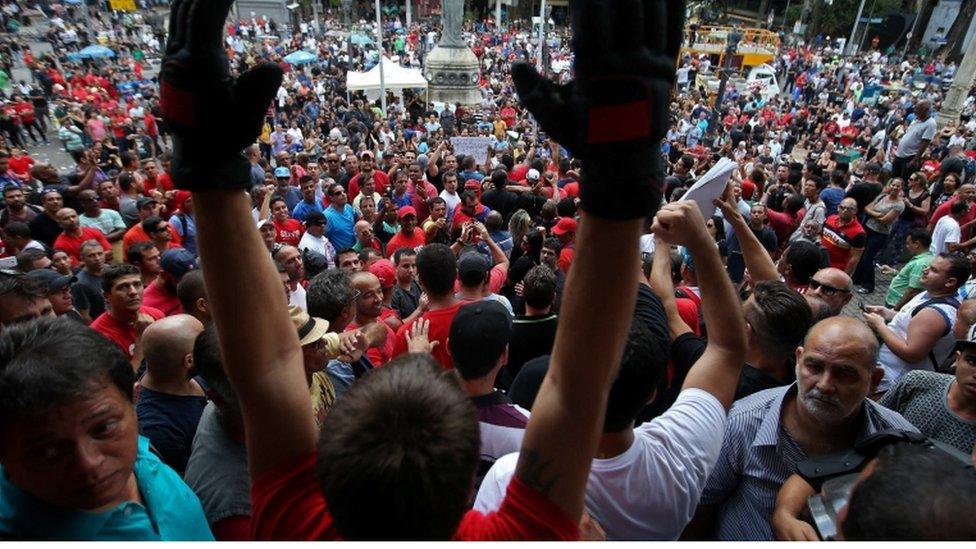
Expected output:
(711, 186)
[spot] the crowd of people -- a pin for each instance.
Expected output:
(544, 342)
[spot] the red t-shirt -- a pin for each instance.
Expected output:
(26, 111)
(156, 297)
(289, 232)
(943, 210)
(566, 258)
(401, 240)
(123, 335)
(381, 354)
(440, 327)
(21, 165)
(287, 504)
(839, 241)
(380, 181)
(72, 244)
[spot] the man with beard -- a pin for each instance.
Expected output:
(291, 258)
(45, 227)
(827, 410)
(74, 235)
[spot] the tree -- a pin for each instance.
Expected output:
(924, 14)
(957, 32)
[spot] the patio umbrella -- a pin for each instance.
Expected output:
(300, 57)
(92, 52)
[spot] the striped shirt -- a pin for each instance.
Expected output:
(502, 424)
(758, 456)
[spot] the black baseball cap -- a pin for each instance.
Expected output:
(54, 280)
(479, 335)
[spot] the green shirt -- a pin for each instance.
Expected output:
(908, 277)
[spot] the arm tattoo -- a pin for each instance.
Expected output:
(531, 470)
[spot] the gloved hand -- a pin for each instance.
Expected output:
(212, 118)
(615, 113)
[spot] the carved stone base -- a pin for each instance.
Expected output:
(452, 74)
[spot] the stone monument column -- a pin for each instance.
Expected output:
(452, 69)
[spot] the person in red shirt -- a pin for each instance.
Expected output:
(159, 232)
(369, 310)
(287, 229)
(161, 293)
(21, 163)
(409, 236)
(126, 317)
(73, 235)
(346, 485)
(28, 118)
(565, 231)
(367, 166)
(844, 237)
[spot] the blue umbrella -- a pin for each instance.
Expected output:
(300, 57)
(92, 52)
(360, 39)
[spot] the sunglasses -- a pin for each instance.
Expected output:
(827, 289)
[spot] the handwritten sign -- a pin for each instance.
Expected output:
(472, 146)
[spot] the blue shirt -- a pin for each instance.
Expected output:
(172, 511)
(301, 211)
(340, 229)
(188, 231)
(832, 197)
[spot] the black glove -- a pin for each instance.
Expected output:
(615, 113)
(212, 118)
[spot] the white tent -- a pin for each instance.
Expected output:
(396, 79)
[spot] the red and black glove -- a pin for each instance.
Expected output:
(615, 113)
(212, 118)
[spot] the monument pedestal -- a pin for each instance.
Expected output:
(452, 73)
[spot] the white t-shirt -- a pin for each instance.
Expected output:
(649, 492)
(946, 230)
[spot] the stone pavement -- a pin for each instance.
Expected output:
(882, 281)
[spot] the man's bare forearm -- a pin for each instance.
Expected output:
(560, 440)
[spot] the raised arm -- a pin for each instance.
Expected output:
(621, 185)
(755, 256)
(663, 287)
(212, 121)
(717, 371)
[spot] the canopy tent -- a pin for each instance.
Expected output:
(300, 57)
(92, 52)
(396, 79)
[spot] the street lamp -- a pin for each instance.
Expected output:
(731, 46)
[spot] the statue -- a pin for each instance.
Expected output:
(452, 12)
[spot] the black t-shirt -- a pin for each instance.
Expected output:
(502, 201)
(864, 193)
(44, 229)
(532, 336)
(169, 422)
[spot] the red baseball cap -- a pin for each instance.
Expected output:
(564, 225)
(404, 211)
(385, 271)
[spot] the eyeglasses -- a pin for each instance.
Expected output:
(826, 289)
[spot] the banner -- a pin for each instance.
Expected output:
(122, 5)
(472, 146)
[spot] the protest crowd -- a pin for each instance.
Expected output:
(257, 306)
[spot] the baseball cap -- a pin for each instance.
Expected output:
(473, 262)
(52, 279)
(532, 175)
(968, 341)
(145, 201)
(384, 270)
(872, 167)
(366, 154)
(564, 225)
(310, 329)
(404, 211)
(282, 172)
(478, 336)
(472, 184)
(178, 261)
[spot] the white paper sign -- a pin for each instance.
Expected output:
(472, 146)
(711, 186)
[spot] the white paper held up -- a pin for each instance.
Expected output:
(711, 186)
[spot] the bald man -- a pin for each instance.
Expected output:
(826, 410)
(369, 307)
(170, 402)
(834, 286)
(844, 237)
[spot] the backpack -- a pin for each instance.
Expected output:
(946, 364)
